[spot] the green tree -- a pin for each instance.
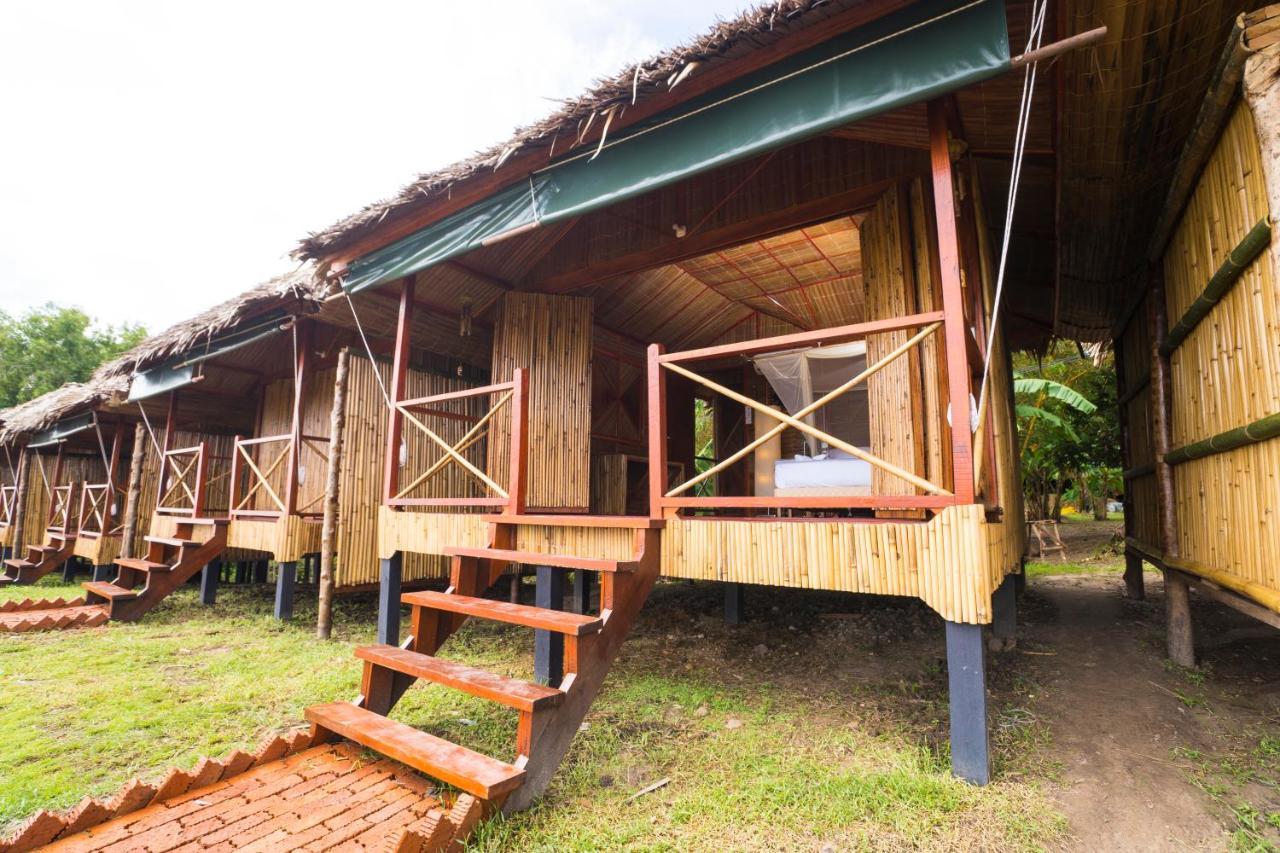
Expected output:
(1068, 422)
(52, 345)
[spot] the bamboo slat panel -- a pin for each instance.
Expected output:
(277, 419)
(98, 550)
(607, 543)
(937, 439)
(609, 484)
(1135, 367)
(552, 337)
(1227, 372)
(893, 395)
(428, 533)
(952, 562)
(360, 480)
(286, 539)
(1227, 506)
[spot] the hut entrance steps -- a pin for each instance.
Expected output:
(143, 582)
(41, 559)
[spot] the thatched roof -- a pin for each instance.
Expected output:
(296, 292)
(558, 132)
(47, 409)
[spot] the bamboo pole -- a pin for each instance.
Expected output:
(337, 425)
(20, 507)
(858, 452)
(808, 410)
(1254, 433)
(134, 491)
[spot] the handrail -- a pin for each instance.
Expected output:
(60, 507)
(512, 497)
(261, 481)
(664, 500)
(8, 502)
(96, 513)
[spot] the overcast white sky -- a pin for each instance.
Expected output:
(158, 157)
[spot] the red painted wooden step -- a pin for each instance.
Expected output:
(633, 522)
(500, 611)
(176, 543)
(512, 692)
(461, 767)
(109, 591)
(142, 565)
(559, 561)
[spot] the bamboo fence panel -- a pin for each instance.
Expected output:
(360, 509)
(286, 539)
(75, 469)
(1226, 373)
(606, 543)
(552, 337)
(892, 394)
(428, 533)
(277, 419)
(953, 562)
(609, 484)
(1135, 367)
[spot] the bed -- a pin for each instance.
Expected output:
(832, 473)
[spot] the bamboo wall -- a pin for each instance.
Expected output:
(953, 562)
(552, 337)
(360, 477)
(1226, 373)
(75, 469)
(277, 419)
(1134, 368)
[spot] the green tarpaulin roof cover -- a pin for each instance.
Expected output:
(61, 430)
(915, 54)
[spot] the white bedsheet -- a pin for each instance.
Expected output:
(808, 473)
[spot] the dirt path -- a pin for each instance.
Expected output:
(1115, 719)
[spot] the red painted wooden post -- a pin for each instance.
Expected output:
(399, 371)
(517, 483)
(952, 304)
(303, 330)
(234, 497)
(657, 431)
(57, 482)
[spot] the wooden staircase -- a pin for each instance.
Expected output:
(142, 582)
(549, 715)
(41, 559)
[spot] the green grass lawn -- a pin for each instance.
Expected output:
(792, 751)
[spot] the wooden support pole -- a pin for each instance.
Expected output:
(657, 427)
(102, 573)
(952, 303)
(328, 527)
(733, 604)
(399, 373)
(967, 683)
(209, 577)
(69, 570)
(389, 574)
(1134, 585)
(286, 577)
(1180, 637)
(580, 596)
(548, 646)
(1004, 613)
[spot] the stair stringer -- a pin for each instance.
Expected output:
(160, 584)
(31, 571)
(553, 731)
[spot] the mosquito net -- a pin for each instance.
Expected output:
(801, 376)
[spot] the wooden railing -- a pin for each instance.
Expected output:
(183, 479)
(664, 501)
(97, 509)
(60, 516)
(8, 504)
(266, 480)
(511, 396)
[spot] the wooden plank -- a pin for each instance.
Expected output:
(109, 591)
(815, 502)
(501, 611)
(458, 766)
(512, 692)
(635, 522)
(531, 558)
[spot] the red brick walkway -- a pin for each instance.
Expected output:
(82, 616)
(329, 797)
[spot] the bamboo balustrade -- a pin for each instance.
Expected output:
(512, 402)
(936, 497)
(262, 498)
(8, 505)
(60, 508)
(98, 510)
(183, 480)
